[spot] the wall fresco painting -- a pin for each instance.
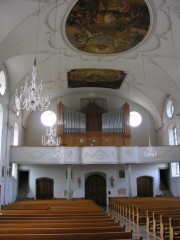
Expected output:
(107, 26)
(104, 78)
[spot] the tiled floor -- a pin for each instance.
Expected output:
(138, 231)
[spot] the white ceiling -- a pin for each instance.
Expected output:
(152, 68)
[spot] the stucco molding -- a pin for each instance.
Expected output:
(92, 155)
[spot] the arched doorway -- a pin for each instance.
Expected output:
(44, 188)
(145, 186)
(95, 189)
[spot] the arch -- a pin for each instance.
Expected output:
(95, 188)
(44, 188)
(145, 186)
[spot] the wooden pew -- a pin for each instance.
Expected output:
(174, 227)
(50, 224)
(59, 220)
(139, 238)
(137, 207)
(69, 236)
(59, 230)
(48, 211)
(77, 203)
(55, 216)
(47, 220)
(162, 222)
(153, 217)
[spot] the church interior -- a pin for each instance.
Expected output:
(90, 103)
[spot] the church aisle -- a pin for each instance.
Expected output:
(138, 231)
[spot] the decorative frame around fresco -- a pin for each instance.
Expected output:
(107, 27)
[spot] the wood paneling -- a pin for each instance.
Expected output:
(93, 138)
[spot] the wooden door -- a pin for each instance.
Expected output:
(95, 189)
(145, 186)
(44, 188)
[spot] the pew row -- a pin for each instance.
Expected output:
(62, 220)
(59, 230)
(154, 212)
(69, 236)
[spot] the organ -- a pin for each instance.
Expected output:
(94, 125)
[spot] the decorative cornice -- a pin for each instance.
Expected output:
(92, 155)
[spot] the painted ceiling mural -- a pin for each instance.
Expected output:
(107, 26)
(104, 78)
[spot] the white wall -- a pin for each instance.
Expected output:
(58, 173)
(175, 186)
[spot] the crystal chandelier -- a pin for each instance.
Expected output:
(50, 138)
(32, 96)
(150, 151)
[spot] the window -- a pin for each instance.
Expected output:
(14, 170)
(135, 119)
(15, 143)
(48, 118)
(175, 169)
(173, 135)
(2, 83)
(169, 108)
(16, 134)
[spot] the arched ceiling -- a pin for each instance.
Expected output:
(149, 62)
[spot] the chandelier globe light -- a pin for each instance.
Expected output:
(32, 96)
(48, 119)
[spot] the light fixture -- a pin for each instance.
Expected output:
(150, 151)
(32, 96)
(58, 152)
(50, 138)
(60, 114)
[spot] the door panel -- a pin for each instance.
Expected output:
(44, 188)
(95, 189)
(145, 186)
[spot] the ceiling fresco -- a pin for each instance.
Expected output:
(104, 78)
(107, 26)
